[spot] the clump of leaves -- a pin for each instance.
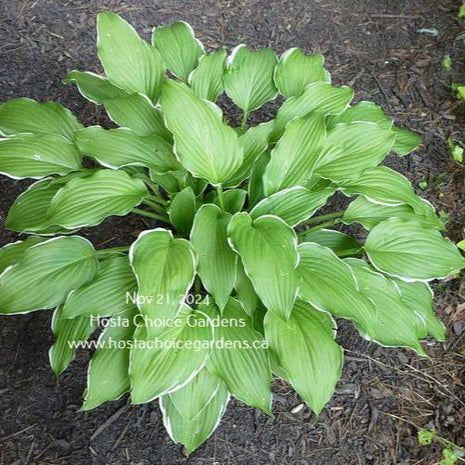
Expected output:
(450, 454)
(244, 277)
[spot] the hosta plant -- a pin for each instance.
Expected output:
(239, 278)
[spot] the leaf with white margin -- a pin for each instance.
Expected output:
(172, 181)
(10, 254)
(319, 96)
(233, 200)
(296, 70)
(182, 210)
(268, 249)
(369, 214)
(29, 211)
(255, 187)
(178, 353)
(328, 283)
(363, 111)
(23, 115)
(88, 201)
(245, 292)
(244, 365)
(341, 244)
(115, 148)
(69, 333)
(214, 154)
(164, 268)
(407, 250)
(178, 47)
(129, 62)
(37, 155)
(304, 346)
(352, 148)
(207, 79)
(191, 433)
(97, 89)
(107, 375)
(418, 296)
(406, 141)
(293, 205)
(254, 142)
(137, 113)
(248, 77)
(46, 273)
(216, 260)
(108, 293)
(295, 155)
(394, 323)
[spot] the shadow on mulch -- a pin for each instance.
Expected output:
(384, 394)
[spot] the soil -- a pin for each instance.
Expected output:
(384, 394)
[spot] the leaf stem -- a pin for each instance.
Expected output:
(317, 219)
(219, 192)
(158, 198)
(104, 252)
(157, 216)
(245, 115)
(155, 206)
(319, 226)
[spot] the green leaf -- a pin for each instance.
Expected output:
(68, 334)
(207, 79)
(97, 89)
(256, 189)
(178, 47)
(115, 148)
(296, 70)
(329, 285)
(369, 214)
(214, 154)
(129, 62)
(110, 292)
(406, 141)
(46, 273)
(11, 254)
(408, 250)
(88, 201)
(295, 155)
(216, 259)
(394, 324)
(268, 249)
(341, 244)
(37, 155)
(23, 115)
(243, 363)
(233, 200)
(248, 77)
(304, 346)
(182, 210)
(245, 292)
(382, 185)
(352, 148)
(293, 205)
(137, 113)
(418, 297)
(172, 181)
(107, 376)
(193, 432)
(362, 112)
(172, 359)
(319, 96)
(254, 142)
(165, 269)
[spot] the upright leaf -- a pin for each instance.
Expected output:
(406, 249)
(25, 115)
(214, 154)
(248, 77)
(182, 210)
(267, 247)
(305, 348)
(294, 157)
(129, 62)
(244, 365)
(37, 155)
(296, 70)
(46, 273)
(245, 292)
(207, 79)
(178, 47)
(110, 292)
(256, 189)
(341, 244)
(164, 268)
(233, 200)
(216, 259)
